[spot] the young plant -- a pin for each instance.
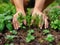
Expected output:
(46, 31)
(30, 37)
(14, 32)
(9, 44)
(28, 17)
(55, 24)
(49, 38)
(2, 22)
(54, 15)
(21, 19)
(10, 37)
(6, 44)
(37, 20)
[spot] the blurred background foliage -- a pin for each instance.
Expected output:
(7, 7)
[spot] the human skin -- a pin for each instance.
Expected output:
(40, 5)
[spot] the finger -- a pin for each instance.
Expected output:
(40, 26)
(32, 22)
(17, 24)
(46, 23)
(33, 17)
(24, 22)
(13, 22)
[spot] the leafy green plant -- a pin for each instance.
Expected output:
(5, 20)
(37, 20)
(30, 37)
(28, 17)
(6, 12)
(55, 24)
(1, 23)
(21, 19)
(11, 43)
(6, 44)
(49, 38)
(10, 37)
(14, 32)
(54, 15)
(58, 1)
(46, 31)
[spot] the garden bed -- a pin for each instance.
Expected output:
(28, 35)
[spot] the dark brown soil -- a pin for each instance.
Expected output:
(39, 40)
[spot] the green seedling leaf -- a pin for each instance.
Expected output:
(49, 38)
(30, 37)
(30, 31)
(9, 26)
(46, 31)
(14, 32)
(8, 17)
(10, 37)
(1, 27)
(11, 43)
(6, 44)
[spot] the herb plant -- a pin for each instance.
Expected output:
(46, 31)
(6, 44)
(54, 15)
(30, 37)
(28, 17)
(10, 37)
(37, 20)
(55, 24)
(14, 32)
(6, 13)
(49, 38)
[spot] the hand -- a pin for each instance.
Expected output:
(44, 17)
(16, 24)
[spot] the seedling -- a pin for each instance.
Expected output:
(6, 44)
(9, 25)
(38, 20)
(28, 17)
(55, 24)
(31, 31)
(9, 44)
(46, 31)
(54, 15)
(29, 36)
(49, 38)
(21, 19)
(14, 32)
(10, 37)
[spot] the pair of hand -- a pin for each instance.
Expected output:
(35, 11)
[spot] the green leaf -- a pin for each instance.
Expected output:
(49, 38)
(46, 31)
(10, 37)
(31, 31)
(28, 40)
(13, 32)
(8, 17)
(6, 44)
(1, 27)
(9, 26)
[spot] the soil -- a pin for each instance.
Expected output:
(39, 38)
